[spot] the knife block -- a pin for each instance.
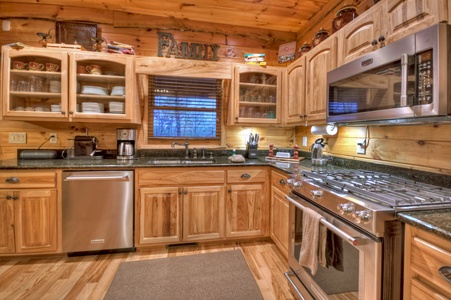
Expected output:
(251, 151)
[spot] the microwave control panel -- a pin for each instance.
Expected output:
(425, 78)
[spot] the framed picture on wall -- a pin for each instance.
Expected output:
(76, 33)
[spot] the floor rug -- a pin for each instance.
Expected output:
(219, 275)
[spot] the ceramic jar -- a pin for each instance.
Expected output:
(344, 16)
(320, 36)
(304, 49)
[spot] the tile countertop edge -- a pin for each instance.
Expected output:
(437, 222)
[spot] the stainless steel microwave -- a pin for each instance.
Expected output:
(407, 81)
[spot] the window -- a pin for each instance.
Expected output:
(184, 107)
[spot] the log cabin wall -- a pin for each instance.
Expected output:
(27, 19)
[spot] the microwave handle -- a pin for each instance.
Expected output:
(404, 80)
(352, 240)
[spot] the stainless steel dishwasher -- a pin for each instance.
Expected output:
(97, 210)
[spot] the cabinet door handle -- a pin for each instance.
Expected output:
(15, 197)
(245, 176)
(8, 197)
(12, 180)
(445, 272)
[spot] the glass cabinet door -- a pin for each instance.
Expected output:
(256, 95)
(34, 83)
(101, 86)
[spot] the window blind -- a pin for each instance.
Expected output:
(184, 107)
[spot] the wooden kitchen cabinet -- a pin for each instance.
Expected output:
(86, 89)
(360, 36)
(279, 226)
(29, 211)
(401, 18)
(387, 22)
(256, 96)
(63, 94)
(158, 215)
(425, 255)
(179, 205)
(320, 60)
(20, 102)
(247, 204)
(294, 104)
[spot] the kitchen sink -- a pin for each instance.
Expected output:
(176, 161)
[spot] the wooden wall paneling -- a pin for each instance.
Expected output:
(55, 11)
(128, 20)
(279, 136)
(423, 146)
(38, 133)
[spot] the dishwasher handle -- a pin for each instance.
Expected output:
(98, 177)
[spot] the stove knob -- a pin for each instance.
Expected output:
(345, 208)
(293, 184)
(316, 195)
(361, 217)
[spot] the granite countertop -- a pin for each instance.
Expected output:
(434, 221)
(142, 162)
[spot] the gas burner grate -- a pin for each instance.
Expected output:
(382, 188)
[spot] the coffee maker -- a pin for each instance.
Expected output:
(126, 142)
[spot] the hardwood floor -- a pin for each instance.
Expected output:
(88, 277)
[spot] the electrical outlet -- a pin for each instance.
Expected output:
(361, 146)
(53, 138)
(304, 141)
(17, 137)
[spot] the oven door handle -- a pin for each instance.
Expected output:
(352, 240)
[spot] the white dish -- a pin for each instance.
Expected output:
(118, 91)
(92, 107)
(94, 90)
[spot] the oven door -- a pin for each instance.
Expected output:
(355, 267)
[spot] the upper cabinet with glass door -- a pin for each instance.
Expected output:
(256, 95)
(34, 84)
(102, 87)
(64, 85)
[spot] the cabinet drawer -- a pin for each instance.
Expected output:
(171, 177)
(428, 257)
(246, 175)
(279, 181)
(27, 179)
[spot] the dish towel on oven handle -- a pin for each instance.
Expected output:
(314, 237)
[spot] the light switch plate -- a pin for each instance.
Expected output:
(17, 137)
(304, 141)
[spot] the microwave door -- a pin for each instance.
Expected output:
(377, 86)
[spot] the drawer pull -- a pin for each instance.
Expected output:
(245, 176)
(282, 182)
(12, 180)
(445, 272)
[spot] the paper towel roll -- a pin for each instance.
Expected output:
(324, 130)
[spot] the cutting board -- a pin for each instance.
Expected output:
(284, 159)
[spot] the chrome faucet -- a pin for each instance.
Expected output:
(186, 144)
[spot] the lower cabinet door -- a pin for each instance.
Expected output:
(247, 210)
(35, 219)
(7, 243)
(203, 217)
(159, 215)
(279, 230)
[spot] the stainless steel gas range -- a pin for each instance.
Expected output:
(362, 252)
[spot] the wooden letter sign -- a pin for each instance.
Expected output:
(167, 44)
